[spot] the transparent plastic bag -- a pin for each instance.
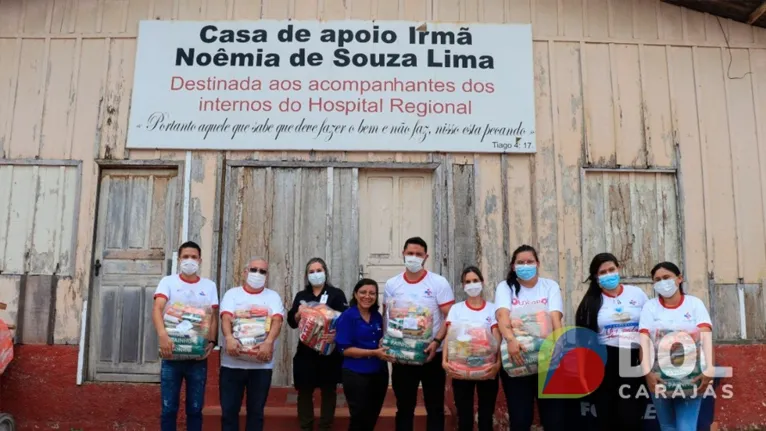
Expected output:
(251, 326)
(531, 325)
(471, 349)
(679, 359)
(317, 322)
(409, 331)
(6, 346)
(187, 322)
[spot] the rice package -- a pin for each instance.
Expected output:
(6, 346)
(679, 359)
(317, 322)
(409, 331)
(251, 326)
(471, 349)
(531, 325)
(187, 322)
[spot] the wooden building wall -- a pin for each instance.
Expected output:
(651, 130)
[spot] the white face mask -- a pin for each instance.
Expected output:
(256, 280)
(473, 289)
(666, 288)
(189, 266)
(317, 278)
(413, 263)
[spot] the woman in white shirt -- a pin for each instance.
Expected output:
(474, 312)
(673, 326)
(612, 310)
(525, 290)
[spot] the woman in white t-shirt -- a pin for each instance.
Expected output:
(477, 314)
(674, 325)
(524, 291)
(612, 310)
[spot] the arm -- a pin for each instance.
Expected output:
(503, 316)
(232, 345)
(294, 316)
(556, 318)
(556, 307)
(166, 345)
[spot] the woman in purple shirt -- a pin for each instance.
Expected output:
(365, 371)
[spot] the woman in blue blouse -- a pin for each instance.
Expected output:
(365, 372)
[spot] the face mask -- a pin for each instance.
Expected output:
(526, 272)
(666, 288)
(413, 263)
(189, 266)
(256, 280)
(316, 278)
(609, 281)
(473, 289)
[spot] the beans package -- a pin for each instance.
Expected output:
(531, 325)
(250, 327)
(471, 349)
(317, 322)
(679, 359)
(6, 346)
(409, 331)
(187, 322)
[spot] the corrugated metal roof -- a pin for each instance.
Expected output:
(748, 11)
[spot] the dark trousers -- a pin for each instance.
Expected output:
(364, 395)
(306, 407)
(405, 380)
(172, 374)
(463, 391)
(520, 395)
(617, 406)
(234, 382)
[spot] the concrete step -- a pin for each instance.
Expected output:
(281, 415)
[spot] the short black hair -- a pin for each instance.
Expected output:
(190, 244)
(417, 241)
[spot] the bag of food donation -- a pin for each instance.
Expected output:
(187, 322)
(471, 349)
(679, 359)
(251, 326)
(317, 322)
(531, 325)
(6, 346)
(409, 331)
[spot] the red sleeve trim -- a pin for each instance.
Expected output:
(277, 315)
(447, 303)
(644, 331)
(223, 313)
(494, 326)
(447, 323)
(215, 306)
(160, 295)
(705, 325)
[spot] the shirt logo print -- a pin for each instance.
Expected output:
(428, 293)
(688, 316)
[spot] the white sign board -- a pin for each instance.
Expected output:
(336, 86)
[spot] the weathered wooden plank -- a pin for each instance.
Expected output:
(116, 105)
(68, 312)
(58, 113)
(631, 148)
(137, 224)
(421, 166)
(599, 104)
(344, 253)
(755, 311)
(10, 287)
(20, 221)
(465, 235)
(143, 254)
(150, 343)
(725, 311)
(645, 15)
(107, 318)
(594, 212)
(645, 221)
(37, 309)
(25, 138)
(658, 131)
(131, 325)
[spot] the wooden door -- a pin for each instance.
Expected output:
(393, 206)
(137, 231)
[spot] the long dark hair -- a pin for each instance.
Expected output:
(471, 269)
(672, 267)
(312, 261)
(511, 277)
(587, 312)
(361, 283)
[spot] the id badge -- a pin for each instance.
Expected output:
(323, 299)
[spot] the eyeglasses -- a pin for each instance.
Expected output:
(262, 271)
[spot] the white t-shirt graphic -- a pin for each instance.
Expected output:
(175, 289)
(546, 292)
(618, 317)
(462, 312)
(238, 298)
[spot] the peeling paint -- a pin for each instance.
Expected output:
(198, 169)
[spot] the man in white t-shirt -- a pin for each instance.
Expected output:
(238, 375)
(184, 289)
(434, 291)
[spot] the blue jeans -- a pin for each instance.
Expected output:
(234, 382)
(171, 375)
(677, 414)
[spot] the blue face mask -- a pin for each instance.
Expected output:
(526, 272)
(609, 281)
